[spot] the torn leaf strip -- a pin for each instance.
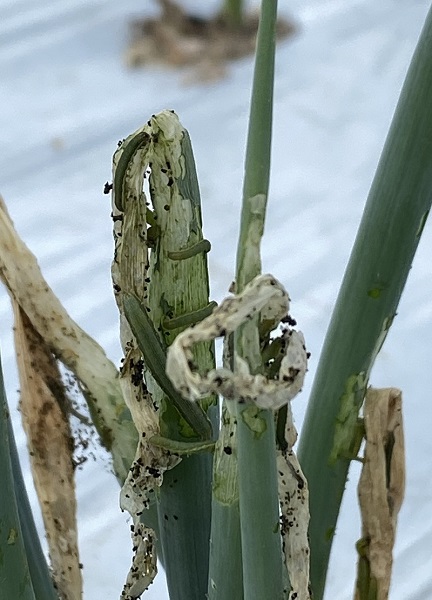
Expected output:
(294, 503)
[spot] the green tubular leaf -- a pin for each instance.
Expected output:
(40, 576)
(389, 232)
(155, 359)
(184, 525)
(225, 569)
(15, 578)
(258, 486)
(261, 547)
(233, 12)
(226, 576)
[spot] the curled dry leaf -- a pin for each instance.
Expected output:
(43, 404)
(381, 490)
(263, 294)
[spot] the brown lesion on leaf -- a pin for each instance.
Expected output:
(179, 39)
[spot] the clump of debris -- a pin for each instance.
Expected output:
(203, 45)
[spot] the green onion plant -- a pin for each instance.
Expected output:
(205, 487)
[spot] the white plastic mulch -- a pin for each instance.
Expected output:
(66, 100)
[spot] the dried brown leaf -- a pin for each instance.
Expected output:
(381, 490)
(97, 376)
(43, 404)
